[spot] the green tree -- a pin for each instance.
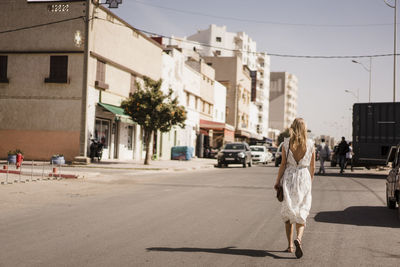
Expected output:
(282, 136)
(153, 110)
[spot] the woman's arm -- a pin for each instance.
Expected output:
(312, 165)
(281, 169)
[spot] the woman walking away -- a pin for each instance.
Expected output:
(296, 174)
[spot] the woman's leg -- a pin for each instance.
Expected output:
(300, 231)
(289, 233)
(297, 242)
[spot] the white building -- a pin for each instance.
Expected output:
(283, 100)
(228, 44)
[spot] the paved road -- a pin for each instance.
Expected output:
(216, 217)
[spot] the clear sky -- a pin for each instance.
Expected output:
(296, 27)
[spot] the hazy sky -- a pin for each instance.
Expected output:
(296, 27)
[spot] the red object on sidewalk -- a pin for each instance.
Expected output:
(5, 167)
(20, 158)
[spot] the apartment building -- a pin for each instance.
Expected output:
(236, 77)
(69, 65)
(221, 43)
(283, 100)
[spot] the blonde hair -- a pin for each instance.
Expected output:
(298, 133)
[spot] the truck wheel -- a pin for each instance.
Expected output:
(391, 204)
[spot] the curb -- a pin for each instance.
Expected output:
(66, 176)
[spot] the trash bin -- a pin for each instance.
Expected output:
(181, 152)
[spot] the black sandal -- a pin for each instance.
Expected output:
(299, 250)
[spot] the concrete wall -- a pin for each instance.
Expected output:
(220, 103)
(126, 52)
(40, 118)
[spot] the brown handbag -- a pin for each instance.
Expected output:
(279, 191)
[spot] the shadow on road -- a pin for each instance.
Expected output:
(226, 250)
(356, 175)
(361, 216)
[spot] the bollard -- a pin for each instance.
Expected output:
(42, 170)
(32, 172)
(7, 172)
(54, 174)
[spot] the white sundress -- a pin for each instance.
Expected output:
(296, 183)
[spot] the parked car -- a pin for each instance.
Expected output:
(393, 181)
(272, 150)
(235, 153)
(260, 154)
(278, 155)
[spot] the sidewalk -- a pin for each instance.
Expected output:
(155, 165)
(37, 170)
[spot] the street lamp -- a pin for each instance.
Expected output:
(370, 72)
(394, 6)
(355, 95)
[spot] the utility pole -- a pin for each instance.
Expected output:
(394, 6)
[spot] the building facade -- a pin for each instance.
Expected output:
(66, 79)
(283, 100)
(221, 43)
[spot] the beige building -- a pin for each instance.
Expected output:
(236, 77)
(283, 100)
(66, 78)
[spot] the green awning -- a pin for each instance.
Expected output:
(118, 111)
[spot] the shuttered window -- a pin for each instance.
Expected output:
(101, 75)
(58, 69)
(3, 69)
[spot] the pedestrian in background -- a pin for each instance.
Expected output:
(324, 153)
(295, 175)
(349, 156)
(343, 148)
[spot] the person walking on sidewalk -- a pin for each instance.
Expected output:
(324, 153)
(296, 174)
(343, 148)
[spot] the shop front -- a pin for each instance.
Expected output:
(216, 134)
(116, 131)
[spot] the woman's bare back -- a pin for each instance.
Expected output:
(298, 153)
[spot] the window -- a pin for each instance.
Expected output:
(196, 105)
(133, 85)
(101, 75)
(187, 100)
(218, 39)
(3, 69)
(218, 52)
(58, 70)
(102, 131)
(130, 137)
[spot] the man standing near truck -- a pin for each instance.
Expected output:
(343, 148)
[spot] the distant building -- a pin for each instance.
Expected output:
(283, 100)
(236, 77)
(221, 43)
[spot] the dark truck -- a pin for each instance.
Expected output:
(376, 133)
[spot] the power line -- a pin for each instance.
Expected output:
(263, 21)
(252, 52)
(41, 25)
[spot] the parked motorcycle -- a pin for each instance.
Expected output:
(96, 150)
